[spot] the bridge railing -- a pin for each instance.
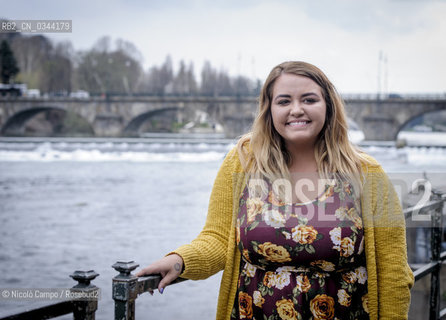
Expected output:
(394, 96)
(83, 305)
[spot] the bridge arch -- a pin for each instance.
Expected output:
(416, 116)
(182, 116)
(15, 125)
(134, 125)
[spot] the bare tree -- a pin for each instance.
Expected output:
(104, 70)
(191, 82)
(31, 52)
(224, 85)
(159, 80)
(208, 80)
(180, 83)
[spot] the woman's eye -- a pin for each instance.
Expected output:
(283, 102)
(310, 100)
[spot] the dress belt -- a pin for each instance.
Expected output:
(300, 269)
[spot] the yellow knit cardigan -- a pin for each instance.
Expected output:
(389, 275)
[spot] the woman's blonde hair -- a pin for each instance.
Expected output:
(263, 151)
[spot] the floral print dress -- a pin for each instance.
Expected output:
(302, 260)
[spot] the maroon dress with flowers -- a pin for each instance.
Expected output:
(301, 260)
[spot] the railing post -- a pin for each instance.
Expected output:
(125, 290)
(437, 226)
(84, 295)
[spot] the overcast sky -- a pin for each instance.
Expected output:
(342, 37)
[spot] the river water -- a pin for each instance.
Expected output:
(69, 205)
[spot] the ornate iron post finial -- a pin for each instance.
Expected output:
(84, 295)
(125, 290)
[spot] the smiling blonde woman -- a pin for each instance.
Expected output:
(303, 223)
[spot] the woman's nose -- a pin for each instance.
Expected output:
(296, 108)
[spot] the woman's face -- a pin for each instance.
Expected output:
(298, 109)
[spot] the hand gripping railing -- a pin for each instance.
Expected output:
(81, 307)
(127, 287)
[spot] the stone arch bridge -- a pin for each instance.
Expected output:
(380, 119)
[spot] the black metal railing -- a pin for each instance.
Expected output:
(83, 301)
(434, 208)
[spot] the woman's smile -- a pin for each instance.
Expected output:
(298, 123)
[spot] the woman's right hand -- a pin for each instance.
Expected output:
(169, 267)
